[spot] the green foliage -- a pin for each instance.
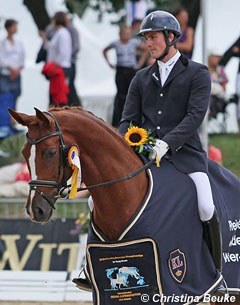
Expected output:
(83, 221)
(116, 5)
(12, 146)
(167, 5)
(229, 145)
(77, 6)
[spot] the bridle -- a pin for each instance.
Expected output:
(61, 187)
(34, 184)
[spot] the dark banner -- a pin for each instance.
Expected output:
(25, 245)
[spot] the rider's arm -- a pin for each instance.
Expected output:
(132, 112)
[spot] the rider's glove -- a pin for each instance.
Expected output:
(159, 150)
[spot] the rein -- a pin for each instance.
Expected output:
(127, 177)
(34, 184)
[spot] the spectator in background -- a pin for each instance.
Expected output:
(219, 80)
(14, 180)
(142, 54)
(73, 98)
(217, 71)
(185, 43)
(11, 64)
(234, 51)
(12, 57)
(126, 66)
(59, 58)
(136, 24)
(136, 9)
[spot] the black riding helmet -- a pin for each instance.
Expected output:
(164, 22)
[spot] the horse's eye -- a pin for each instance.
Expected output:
(50, 154)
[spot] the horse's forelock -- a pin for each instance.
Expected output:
(36, 128)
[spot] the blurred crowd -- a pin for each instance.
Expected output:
(59, 51)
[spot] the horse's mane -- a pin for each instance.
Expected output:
(74, 108)
(113, 131)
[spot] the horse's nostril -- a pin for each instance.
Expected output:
(38, 211)
(40, 214)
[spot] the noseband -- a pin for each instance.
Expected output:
(34, 184)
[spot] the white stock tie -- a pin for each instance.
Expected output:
(164, 74)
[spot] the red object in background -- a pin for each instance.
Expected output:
(23, 173)
(58, 87)
(215, 154)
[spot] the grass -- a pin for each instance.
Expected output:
(13, 147)
(229, 144)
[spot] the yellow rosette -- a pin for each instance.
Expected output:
(74, 162)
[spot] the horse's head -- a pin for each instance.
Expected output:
(44, 151)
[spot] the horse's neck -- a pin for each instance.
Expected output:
(105, 157)
(115, 204)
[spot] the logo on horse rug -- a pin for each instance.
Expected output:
(177, 265)
(124, 271)
(119, 277)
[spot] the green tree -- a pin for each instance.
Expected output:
(41, 18)
(38, 11)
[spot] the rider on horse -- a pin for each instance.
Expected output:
(171, 99)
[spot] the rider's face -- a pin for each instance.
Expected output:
(155, 42)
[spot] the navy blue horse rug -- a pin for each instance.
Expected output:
(226, 195)
(162, 254)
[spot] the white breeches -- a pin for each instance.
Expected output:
(204, 195)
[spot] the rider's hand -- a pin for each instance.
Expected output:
(159, 150)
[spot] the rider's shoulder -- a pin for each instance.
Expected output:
(196, 65)
(144, 71)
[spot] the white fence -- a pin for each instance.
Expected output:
(55, 286)
(40, 286)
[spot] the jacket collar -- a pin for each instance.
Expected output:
(180, 65)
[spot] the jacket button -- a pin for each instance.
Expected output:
(161, 94)
(158, 127)
(159, 112)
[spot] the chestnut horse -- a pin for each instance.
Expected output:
(104, 157)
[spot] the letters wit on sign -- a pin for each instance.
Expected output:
(11, 255)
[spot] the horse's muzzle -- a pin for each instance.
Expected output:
(38, 208)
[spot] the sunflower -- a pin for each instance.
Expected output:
(136, 136)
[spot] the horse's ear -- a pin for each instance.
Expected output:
(42, 117)
(21, 118)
